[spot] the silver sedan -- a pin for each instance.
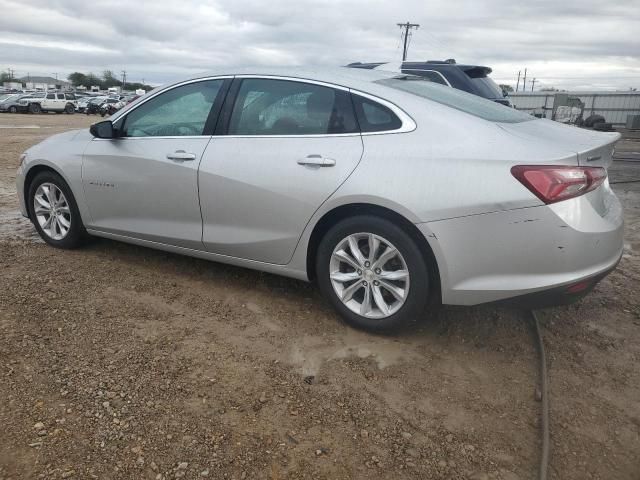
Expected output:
(391, 192)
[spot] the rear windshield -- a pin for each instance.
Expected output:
(485, 86)
(452, 97)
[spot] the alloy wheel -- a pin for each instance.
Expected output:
(369, 275)
(52, 211)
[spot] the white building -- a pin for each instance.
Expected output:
(613, 106)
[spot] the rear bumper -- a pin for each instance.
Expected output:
(556, 296)
(517, 253)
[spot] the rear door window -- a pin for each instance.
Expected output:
(284, 107)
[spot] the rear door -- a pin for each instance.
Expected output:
(282, 148)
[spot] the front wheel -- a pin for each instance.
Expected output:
(54, 212)
(373, 273)
(13, 109)
(69, 109)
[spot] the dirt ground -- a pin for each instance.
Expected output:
(119, 362)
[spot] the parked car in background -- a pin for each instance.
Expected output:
(12, 104)
(469, 78)
(390, 191)
(32, 102)
(57, 102)
(93, 105)
(82, 103)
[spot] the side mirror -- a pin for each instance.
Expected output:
(102, 129)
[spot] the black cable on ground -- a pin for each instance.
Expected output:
(624, 181)
(544, 389)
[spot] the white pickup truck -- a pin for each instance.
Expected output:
(50, 102)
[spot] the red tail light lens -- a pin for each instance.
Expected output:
(556, 183)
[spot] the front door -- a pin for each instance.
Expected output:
(286, 146)
(144, 184)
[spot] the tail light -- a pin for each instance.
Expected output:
(556, 183)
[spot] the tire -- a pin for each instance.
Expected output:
(13, 109)
(76, 235)
(388, 234)
(603, 127)
(69, 109)
(35, 108)
(591, 120)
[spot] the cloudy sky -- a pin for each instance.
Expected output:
(585, 44)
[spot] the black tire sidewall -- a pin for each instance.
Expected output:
(417, 300)
(77, 233)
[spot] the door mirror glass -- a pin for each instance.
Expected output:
(102, 129)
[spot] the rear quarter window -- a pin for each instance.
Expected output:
(373, 117)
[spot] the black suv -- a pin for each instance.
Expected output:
(470, 78)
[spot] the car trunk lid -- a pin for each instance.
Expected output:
(593, 149)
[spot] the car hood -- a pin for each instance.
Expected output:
(63, 138)
(592, 148)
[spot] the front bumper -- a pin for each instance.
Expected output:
(507, 254)
(20, 189)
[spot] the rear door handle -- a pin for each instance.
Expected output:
(317, 160)
(181, 156)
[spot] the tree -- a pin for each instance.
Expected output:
(93, 80)
(77, 78)
(109, 80)
(506, 88)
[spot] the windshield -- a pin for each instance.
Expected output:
(452, 97)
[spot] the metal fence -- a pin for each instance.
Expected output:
(614, 106)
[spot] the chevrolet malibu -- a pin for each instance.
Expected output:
(391, 192)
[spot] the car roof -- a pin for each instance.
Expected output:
(342, 76)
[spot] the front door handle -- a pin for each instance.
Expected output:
(317, 161)
(181, 156)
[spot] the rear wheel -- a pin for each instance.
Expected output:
(54, 212)
(373, 273)
(35, 108)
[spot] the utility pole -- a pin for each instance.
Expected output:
(407, 28)
(124, 79)
(518, 83)
(524, 82)
(56, 74)
(533, 82)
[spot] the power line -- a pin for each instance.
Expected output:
(407, 27)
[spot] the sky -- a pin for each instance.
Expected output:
(577, 45)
